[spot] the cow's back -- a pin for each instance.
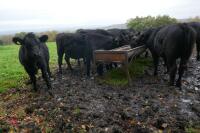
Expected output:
(98, 41)
(174, 40)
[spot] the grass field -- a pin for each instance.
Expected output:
(12, 73)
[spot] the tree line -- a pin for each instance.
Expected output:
(137, 23)
(7, 39)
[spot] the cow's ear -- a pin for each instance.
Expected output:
(43, 38)
(17, 40)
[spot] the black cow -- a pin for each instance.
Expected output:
(81, 45)
(173, 42)
(34, 55)
(102, 32)
(96, 42)
(147, 38)
(170, 42)
(70, 44)
(96, 31)
(196, 26)
(122, 36)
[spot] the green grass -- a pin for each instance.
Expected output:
(12, 73)
(193, 130)
(117, 77)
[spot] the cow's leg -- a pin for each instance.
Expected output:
(165, 64)
(182, 68)
(67, 59)
(84, 60)
(198, 50)
(48, 70)
(46, 77)
(88, 66)
(60, 57)
(115, 65)
(100, 69)
(79, 63)
(111, 65)
(172, 71)
(33, 80)
(146, 54)
(155, 61)
(107, 67)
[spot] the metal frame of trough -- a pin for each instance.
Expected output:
(119, 55)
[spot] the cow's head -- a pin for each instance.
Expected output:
(137, 40)
(31, 43)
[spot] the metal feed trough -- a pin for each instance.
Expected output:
(119, 55)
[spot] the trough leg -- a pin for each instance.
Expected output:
(127, 72)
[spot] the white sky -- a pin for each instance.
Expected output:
(32, 14)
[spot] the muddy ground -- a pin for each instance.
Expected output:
(86, 105)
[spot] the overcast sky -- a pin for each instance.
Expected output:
(19, 15)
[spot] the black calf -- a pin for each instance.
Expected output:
(34, 55)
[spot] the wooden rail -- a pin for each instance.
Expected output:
(119, 55)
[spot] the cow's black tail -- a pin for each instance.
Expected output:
(189, 39)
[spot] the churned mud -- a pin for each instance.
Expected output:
(86, 105)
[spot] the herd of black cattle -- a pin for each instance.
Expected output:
(169, 42)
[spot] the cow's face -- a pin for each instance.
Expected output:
(31, 43)
(137, 39)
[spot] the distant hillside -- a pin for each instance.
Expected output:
(118, 26)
